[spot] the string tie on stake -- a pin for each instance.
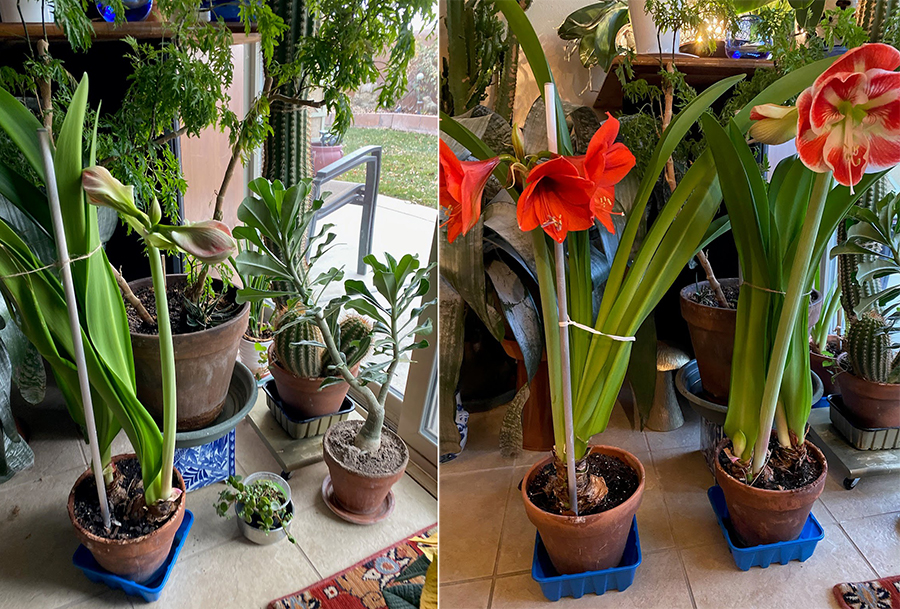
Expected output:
(623, 339)
(56, 264)
(762, 289)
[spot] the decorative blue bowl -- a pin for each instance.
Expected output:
(150, 591)
(555, 586)
(134, 11)
(763, 555)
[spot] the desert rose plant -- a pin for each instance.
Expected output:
(844, 124)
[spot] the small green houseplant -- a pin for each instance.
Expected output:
(276, 223)
(263, 505)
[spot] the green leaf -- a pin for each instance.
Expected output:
(255, 264)
(21, 126)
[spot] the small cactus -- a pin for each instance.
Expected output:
(353, 328)
(869, 348)
(304, 361)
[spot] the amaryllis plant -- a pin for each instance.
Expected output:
(848, 121)
(561, 197)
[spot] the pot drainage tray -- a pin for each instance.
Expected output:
(555, 586)
(883, 438)
(303, 428)
(763, 555)
(149, 591)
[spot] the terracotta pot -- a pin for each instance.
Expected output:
(869, 405)
(204, 362)
(301, 397)
(537, 417)
(712, 335)
(356, 491)
(762, 516)
(586, 543)
(134, 559)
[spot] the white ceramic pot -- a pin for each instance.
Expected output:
(646, 41)
(250, 355)
(31, 11)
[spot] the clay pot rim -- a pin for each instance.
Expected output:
(815, 297)
(369, 475)
(251, 339)
(122, 542)
(820, 456)
(565, 519)
(842, 372)
(241, 312)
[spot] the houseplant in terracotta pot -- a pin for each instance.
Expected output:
(771, 479)
(262, 504)
(145, 493)
(364, 459)
(869, 373)
(300, 366)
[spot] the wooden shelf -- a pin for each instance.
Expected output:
(103, 31)
(700, 72)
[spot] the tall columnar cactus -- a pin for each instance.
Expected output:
(872, 14)
(302, 360)
(852, 291)
(354, 330)
(869, 348)
(288, 151)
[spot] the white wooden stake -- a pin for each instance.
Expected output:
(561, 299)
(75, 325)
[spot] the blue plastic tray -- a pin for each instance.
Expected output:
(84, 560)
(555, 586)
(764, 555)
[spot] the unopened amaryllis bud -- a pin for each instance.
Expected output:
(518, 142)
(209, 241)
(104, 190)
(773, 124)
(155, 211)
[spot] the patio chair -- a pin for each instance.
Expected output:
(364, 195)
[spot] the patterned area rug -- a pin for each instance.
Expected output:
(369, 584)
(881, 593)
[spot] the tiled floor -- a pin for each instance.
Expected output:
(487, 541)
(217, 566)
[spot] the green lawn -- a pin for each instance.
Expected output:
(409, 168)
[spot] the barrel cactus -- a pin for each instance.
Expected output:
(302, 360)
(354, 330)
(869, 348)
(307, 360)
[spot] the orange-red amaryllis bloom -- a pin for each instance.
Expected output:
(556, 198)
(461, 186)
(604, 165)
(850, 117)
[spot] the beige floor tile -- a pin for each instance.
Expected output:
(472, 507)
(658, 584)
(209, 530)
(517, 540)
(251, 453)
(470, 595)
(620, 433)
(822, 514)
(686, 436)
(238, 574)
(878, 538)
(482, 449)
(38, 542)
(111, 599)
(684, 480)
(876, 495)
(718, 584)
(306, 483)
(653, 522)
(333, 545)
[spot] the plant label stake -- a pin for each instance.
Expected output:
(563, 314)
(72, 305)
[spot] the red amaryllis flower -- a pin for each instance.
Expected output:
(461, 186)
(556, 199)
(850, 117)
(604, 165)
